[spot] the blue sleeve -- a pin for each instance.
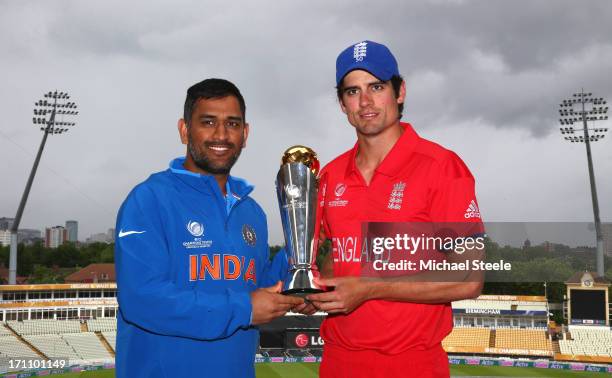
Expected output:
(147, 295)
(275, 270)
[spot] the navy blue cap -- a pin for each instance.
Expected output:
(368, 56)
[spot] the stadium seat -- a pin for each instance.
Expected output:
(522, 339)
(467, 337)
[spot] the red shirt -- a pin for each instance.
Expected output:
(418, 181)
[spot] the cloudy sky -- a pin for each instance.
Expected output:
(484, 78)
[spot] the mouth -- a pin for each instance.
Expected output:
(219, 150)
(368, 115)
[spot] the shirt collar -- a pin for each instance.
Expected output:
(395, 159)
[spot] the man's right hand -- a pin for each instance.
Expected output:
(269, 304)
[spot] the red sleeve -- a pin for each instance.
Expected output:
(454, 196)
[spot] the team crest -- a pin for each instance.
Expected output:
(397, 196)
(249, 236)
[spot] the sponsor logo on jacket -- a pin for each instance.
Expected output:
(472, 211)
(339, 191)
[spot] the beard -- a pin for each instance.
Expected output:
(202, 160)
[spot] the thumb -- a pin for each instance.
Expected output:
(276, 288)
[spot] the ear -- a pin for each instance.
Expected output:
(245, 134)
(402, 93)
(183, 131)
(342, 105)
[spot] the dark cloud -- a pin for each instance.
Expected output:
(483, 77)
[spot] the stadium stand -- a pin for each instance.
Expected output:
(53, 346)
(587, 341)
(111, 338)
(58, 339)
(4, 331)
(468, 337)
(87, 345)
(298, 353)
(102, 325)
(273, 353)
(522, 339)
(44, 326)
(10, 346)
(78, 322)
(501, 311)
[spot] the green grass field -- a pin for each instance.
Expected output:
(310, 370)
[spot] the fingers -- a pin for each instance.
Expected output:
(323, 297)
(330, 307)
(309, 309)
(275, 289)
(285, 303)
(289, 299)
(305, 308)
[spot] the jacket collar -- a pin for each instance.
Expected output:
(238, 188)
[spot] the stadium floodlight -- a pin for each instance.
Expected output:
(588, 109)
(45, 112)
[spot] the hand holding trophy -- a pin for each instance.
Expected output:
(296, 187)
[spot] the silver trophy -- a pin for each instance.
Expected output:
(296, 187)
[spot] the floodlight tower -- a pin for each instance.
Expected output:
(46, 112)
(582, 107)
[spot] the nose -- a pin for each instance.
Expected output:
(220, 132)
(365, 99)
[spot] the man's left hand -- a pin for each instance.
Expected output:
(349, 293)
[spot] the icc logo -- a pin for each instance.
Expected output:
(293, 191)
(301, 340)
(195, 228)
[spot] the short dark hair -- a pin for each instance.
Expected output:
(211, 88)
(396, 83)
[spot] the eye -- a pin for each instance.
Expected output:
(378, 87)
(351, 91)
(233, 124)
(208, 123)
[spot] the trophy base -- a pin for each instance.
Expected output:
(302, 293)
(300, 283)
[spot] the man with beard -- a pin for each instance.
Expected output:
(193, 274)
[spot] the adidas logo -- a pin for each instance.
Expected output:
(472, 211)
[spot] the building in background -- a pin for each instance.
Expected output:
(606, 230)
(25, 236)
(5, 238)
(93, 273)
(28, 236)
(6, 223)
(55, 236)
(72, 227)
(102, 237)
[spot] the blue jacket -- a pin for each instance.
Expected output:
(187, 260)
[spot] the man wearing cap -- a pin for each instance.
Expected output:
(386, 328)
